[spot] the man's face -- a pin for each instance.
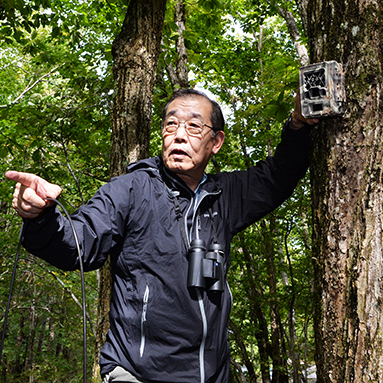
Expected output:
(186, 155)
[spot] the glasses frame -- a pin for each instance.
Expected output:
(176, 120)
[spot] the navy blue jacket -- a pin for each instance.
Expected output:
(160, 330)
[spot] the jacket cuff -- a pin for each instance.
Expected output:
(301, 134)
(42, 220)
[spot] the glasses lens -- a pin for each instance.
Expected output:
(194, 127)
(171, 125)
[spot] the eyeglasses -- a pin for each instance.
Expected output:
(193, 127)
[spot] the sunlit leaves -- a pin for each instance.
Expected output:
(55, 100)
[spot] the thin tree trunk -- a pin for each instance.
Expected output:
(278, 350)
(179, 75)
(245, 356)
(294, 353)
(295, 35)
(238, 368)
(30, 338)
(347, 200)
(261, 332)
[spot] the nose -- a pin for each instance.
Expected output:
(181, 134)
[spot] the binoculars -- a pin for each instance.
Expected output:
(206, 268)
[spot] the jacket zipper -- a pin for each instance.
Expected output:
(197, 220)
(204, 336)
(143, 320)
(199, 295)
(195, 209)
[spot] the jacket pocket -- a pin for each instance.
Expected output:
(143, 319)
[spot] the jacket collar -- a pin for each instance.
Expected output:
(172, 180)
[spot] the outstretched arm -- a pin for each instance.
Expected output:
(30, 193)
(259, 190)
(48, 234)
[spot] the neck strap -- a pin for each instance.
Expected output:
(180, 219)
(215, 237)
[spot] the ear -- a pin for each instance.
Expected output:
(219, 139)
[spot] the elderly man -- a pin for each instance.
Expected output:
(167, 227)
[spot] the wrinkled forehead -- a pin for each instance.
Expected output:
(190, 107)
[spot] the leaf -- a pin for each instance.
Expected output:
(174, 36)
(188, 43)
(173, 26)
(3, 151)
(6, 30)
(55, 31)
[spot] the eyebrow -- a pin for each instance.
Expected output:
(192, 115)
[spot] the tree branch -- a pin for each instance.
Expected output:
(28, 88)
(295, 35)
(78, 303)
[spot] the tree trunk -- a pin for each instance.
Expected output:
(245, 356)
(180, 20)
(261, 331)
(347, 200)
(278, 348)
(135, 54)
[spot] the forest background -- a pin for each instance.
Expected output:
(56, 101)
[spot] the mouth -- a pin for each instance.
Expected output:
(178, 153)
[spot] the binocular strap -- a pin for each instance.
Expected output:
(180, 220)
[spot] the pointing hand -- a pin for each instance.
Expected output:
(30, 191)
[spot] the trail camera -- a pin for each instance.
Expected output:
(322, 90)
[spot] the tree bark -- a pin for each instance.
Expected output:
(181, 65)
(302, 7)
(135, 54)
(347, 200)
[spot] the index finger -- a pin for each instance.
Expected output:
(41, 187)
(25, 179)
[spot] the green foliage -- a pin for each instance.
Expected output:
(256, 298)
(55, 99)
(42, 337)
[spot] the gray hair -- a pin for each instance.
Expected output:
(216, 117)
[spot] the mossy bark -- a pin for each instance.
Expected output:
(347, 199)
